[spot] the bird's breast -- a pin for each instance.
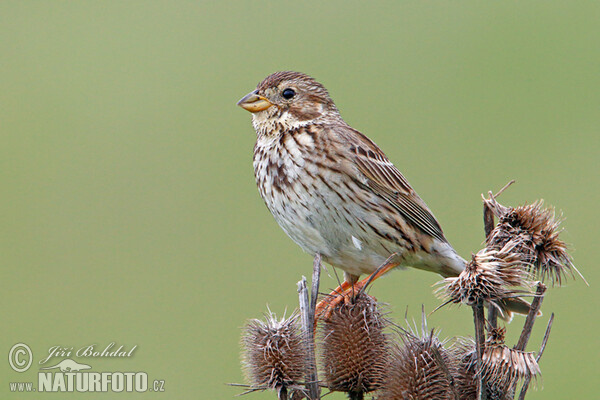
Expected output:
(315, 203)
(281, 170)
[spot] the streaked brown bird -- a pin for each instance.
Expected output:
(334, 192)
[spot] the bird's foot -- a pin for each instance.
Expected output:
(344, 294)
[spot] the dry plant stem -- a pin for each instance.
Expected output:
(308, 335)
(479, 319)
(282, 394)
(314, 293)
(313, 381)
(536, 304)
(306, 328)
(530, 320)
(542, 348)
(478, 315)
(307, 313)
(488, 221)
(493, 316)
(488, 226)
(250, 390)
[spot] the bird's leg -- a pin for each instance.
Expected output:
(332, 298)
(350, 288)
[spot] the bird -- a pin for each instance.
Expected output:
(334, 192)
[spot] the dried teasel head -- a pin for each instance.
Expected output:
(491, 276)
(504, 366)
(496, 336)
(533, 232)
(465, 375)
(354, 347)
(420, 368)
(274, 354)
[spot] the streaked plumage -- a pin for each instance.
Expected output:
(332, 190)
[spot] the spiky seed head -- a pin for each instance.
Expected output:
(273, 353)
(504, 366)
(465, 377)
(534, 232)
(496, 336)
(491, 276)
(419, 369)
(354, 346)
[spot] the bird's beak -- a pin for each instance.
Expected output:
(254, 103)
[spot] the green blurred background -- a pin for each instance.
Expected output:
(129, 209)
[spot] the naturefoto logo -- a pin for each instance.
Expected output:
(69, 375)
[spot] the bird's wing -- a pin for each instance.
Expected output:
(386, 181)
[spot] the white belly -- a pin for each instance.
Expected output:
(317, 219)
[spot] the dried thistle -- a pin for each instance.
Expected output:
(491, 276)
(533, 231)
(421, 368)
(465, 376)
(501, 367)
(504, 366)
(274, 354)
(354, 347)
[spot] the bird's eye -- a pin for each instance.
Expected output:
(288, 93)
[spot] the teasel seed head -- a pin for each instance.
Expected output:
(504, 366)
(491, 276)
(354, 347)
(534, 233)
(420, 368)
(465, 376)
(274, 354)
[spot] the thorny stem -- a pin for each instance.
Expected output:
(479, 319)
(542, 348)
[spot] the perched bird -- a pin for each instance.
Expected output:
(333, 191)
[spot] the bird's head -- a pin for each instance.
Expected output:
(291, 99)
